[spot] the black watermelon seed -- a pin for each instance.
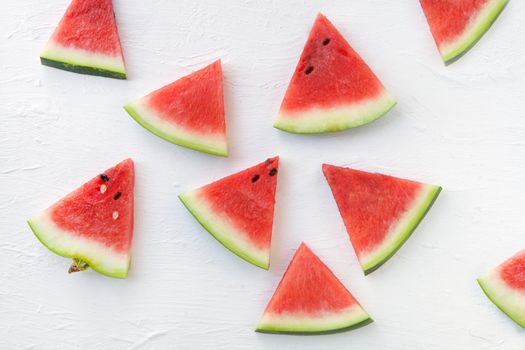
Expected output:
(117, 195)
(309, 70)
(255, 178)
(273, 172)
(104, 177)
(326, 41)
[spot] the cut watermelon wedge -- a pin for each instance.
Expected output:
(188, 112)
(380, 212)
(505, 287)
(94, 224)
(311, 300)
(238, 210)
(332, 88)
(86, 41)
(458, 24)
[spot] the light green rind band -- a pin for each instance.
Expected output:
(223, 232)
(387, 250)
(510, 302)
(189, 142)
(453, 51)
(120, 271)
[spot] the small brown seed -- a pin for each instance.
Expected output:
(326, 41)
(309, 70)
(117, 195)
(273, 172)
(255, 178)
(104, 177)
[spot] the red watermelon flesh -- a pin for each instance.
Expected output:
(238, 210)
(379, 211)
(332, 87)
(87, 40)
(457, 24)
(311, 300)
(94, 223)
(505, 287)
(188, 112)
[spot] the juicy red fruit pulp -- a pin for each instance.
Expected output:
(513, 272)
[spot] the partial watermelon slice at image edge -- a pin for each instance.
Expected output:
(339, 118)
(402, 230)
(453, 51)
(143, 115)
(63, 243)
(507, 299)
(223, 231)
(348, 319)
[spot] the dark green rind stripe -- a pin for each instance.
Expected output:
(324, 332)
(86, 259)
(82, 69)
(519, 323)
(379, 264)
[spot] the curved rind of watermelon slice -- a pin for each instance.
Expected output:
(417, 200)
(332, 88)
(481, 21)
(249, 207)
(109, 258)
(310, 300)
(86, 41)
(188, 94)
(508, 298)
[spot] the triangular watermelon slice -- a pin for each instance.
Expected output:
(505, 287)
(93, 224)
(311, 300)
(332, 88)
(87, 41)
(458, 24)
(188, 112)
(238, 210)
(380, 212)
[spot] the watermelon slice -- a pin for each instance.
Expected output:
(505, 287)
(238, 210)
(86, 41)
(332, 88)
(458, 24)
(380, 212)
(188, 112)
(93, 224)
(311, 300)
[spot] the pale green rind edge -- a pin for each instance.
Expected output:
(231, 247)
(178, 141)
(471, 41)
(485, 288)
(316, 330)
(407, 232)
(82, 69)
(112, 273)
(289, 127)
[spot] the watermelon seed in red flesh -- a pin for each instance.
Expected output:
(310, 300)
(238, 210)
(380, 212)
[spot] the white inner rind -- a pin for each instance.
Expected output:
(399, 231)
(69, 244)
(509, 300)
(340, 117)
(224, 230)
(79, 57)
(304, 322)
(169, 130)
(476, 27)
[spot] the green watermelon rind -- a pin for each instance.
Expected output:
(503, 303)
(338, 118)
(322, 327)
(386, 252)
(88, 70)
(41, 234)
(483, 22)
(195, 208)
(206, 147)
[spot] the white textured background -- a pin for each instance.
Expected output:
(462, 127)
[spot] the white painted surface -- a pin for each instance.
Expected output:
(462, 127)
